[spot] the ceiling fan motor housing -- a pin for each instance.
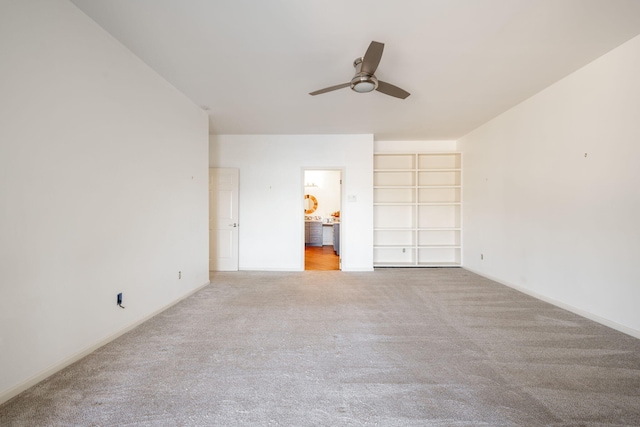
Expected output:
(363, 82)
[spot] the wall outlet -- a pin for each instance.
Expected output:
(119, 300)
(179, 274)
(481, 257)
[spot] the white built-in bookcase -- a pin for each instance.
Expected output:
(417, 210)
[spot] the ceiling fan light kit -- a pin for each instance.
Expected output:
(365, 81)
(364, 84)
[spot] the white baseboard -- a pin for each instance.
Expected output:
(35, 379)
(603, 321)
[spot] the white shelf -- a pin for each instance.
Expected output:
(394, 204)
(438, 264)
(439, 228)
(394, 246)
(438, 204)
(389, 170)
(417, 209)
(399, 264)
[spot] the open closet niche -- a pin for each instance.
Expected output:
(417, 209)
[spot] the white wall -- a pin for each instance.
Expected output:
(271, 195)
(551, 192)
(103, 189)
(416, 146)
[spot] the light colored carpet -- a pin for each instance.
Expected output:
(395, 347)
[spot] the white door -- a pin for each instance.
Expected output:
(223, 219)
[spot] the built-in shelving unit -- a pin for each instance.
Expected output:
(417, 210)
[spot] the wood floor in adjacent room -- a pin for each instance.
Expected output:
(321, 258)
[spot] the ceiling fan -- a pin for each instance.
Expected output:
(365, 79)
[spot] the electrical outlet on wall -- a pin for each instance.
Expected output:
(119, 300)
(179, 274)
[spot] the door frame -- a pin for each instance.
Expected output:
(342, 206)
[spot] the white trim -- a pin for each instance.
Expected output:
(35, 379)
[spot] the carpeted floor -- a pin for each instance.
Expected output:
(395, 347)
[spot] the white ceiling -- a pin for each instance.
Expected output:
(252, 63)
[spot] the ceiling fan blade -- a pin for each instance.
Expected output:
(329, 89)
(372, 57)
(389, 89)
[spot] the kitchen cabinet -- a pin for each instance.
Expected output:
(313, 233)
(327, 234)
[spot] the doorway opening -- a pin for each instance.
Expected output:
(322, 204)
